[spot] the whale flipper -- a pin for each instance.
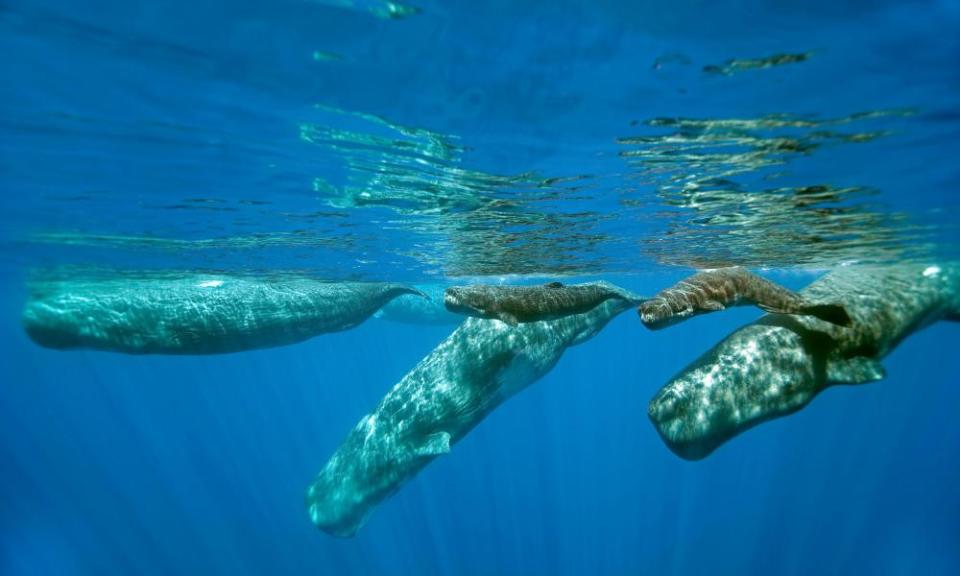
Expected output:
(713, 306)
(857, 370)
(508, 318)
(436, 444)
(187, 312)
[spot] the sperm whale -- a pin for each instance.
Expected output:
(713, 290)
(479, 366)
(516, 304)
(195, 313)
(778, 364)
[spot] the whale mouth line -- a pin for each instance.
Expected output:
(454, 303)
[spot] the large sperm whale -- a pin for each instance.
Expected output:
(776, 365)
(714, 290)
(482, 364)
(195, 313)
(516, 304)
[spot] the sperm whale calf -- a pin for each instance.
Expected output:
(518, 304)
(714, 290)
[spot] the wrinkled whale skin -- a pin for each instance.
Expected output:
(482, 364)
(721, 288)
(776, 365)
(195, 314)
(520, 304)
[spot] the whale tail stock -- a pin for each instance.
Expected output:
(627, 295)
(832, 313)
(403, 289)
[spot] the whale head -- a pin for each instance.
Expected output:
(656, 313)
(757, 373)
(468, 300)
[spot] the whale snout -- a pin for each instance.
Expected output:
(663, 408)
(668, 411)
(453, 302)
(451, 298)
(655, 313)
(684, 421)
(335, 509)
(456, 300)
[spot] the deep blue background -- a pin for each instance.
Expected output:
(112, 464)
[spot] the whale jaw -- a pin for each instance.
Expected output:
(334, 513)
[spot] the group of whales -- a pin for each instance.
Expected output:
(704, 292)
(833, 332)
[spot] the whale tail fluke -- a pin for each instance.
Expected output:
(833, 313)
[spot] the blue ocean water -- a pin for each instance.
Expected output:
(460, 142)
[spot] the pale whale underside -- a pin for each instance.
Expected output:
(482, 364)
(195, 314)
(776, 365)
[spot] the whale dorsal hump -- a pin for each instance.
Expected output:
(554, 285)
